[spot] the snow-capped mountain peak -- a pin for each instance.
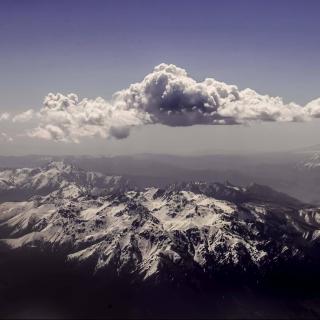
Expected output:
(61, 166)
(56, 176)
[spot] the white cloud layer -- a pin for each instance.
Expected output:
(4, 137)
(4, 116)
(24, 116)
(166, 96)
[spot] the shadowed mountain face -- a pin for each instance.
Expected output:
(179, 248)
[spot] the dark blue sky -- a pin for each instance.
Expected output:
(97, 47)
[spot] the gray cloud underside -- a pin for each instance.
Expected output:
(166, 96)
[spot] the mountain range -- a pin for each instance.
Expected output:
(287, 172)
(199, 235)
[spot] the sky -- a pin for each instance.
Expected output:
(96, 48)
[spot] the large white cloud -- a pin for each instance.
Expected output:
(173, 98)
(166, 96)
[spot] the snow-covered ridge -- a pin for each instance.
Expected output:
(59, 176)
(148, 232)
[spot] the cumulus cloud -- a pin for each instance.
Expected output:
(24, 116)
(168, 96)
(4, 137)
(313, 108)
(65, 118)
(173, 98)
(4, 116)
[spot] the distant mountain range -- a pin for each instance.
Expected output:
(62, 177)
(287, 172)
